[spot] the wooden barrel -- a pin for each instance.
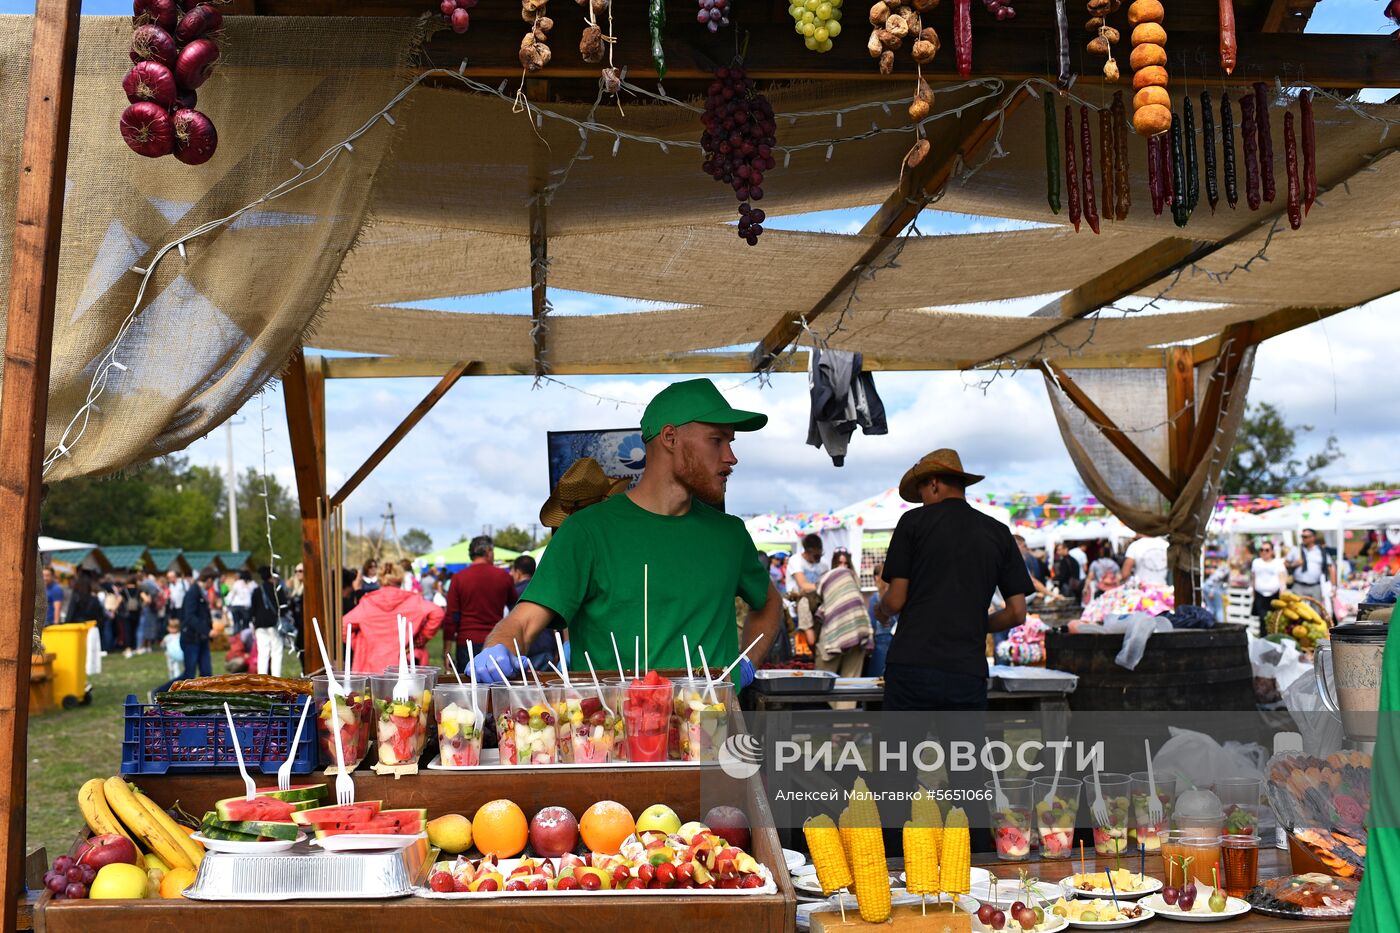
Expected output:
(1182, 670)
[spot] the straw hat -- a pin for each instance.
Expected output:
(942, 462)
(582, 484)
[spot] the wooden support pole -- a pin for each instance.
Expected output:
(1181, 409)
(25, 403)
(302, 417)
(1115, 436)
(398, 434)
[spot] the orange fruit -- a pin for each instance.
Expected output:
(500, 828)
(175, 881)
(605, 826)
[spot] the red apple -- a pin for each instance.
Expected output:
(108, 848)
(553, 832)
(730, 823)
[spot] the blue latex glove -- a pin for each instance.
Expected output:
(568, 653)
(486, 672)
(745, 672)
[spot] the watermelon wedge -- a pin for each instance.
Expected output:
(259, 829)
(354, 813)
(296, 793)
(239, 809)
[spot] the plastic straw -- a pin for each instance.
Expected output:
(621, 672)
(689, 668)
(521, 658)
(597, 686)
(453, 664)
(646, 615)
(510, 691)
(471, 670)
(347, 653)
(564, 673)
(408, 646)
(724, 675)
(705, 669)
(637, 656)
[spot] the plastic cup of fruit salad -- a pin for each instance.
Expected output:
(1112, 837)
(1239, 804)
(401, 728)
(1054, 821)
(618, 686)
(355, 715)
(1011, 826)
(458, 724)
(701, 719)
(1145, 832)
(587, 730)
(430, 680)
(647, 708)
(526, 724)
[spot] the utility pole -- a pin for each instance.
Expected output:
(232, 483)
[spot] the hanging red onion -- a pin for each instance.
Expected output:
(196, 63)
(164, 13)
(200, 21)
(150, 43)
(147, 129)
(150, 81)
(447, 6)
(185, 99)
(195, 139)
(461, 19)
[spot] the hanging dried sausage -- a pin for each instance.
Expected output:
(1086, 153)
(1266, 139)
(1106, 162)
(1251, 151)
(1208, 150)
(1122, 190)
(1154, 175)
(1062, 37)
(1290, 163)
(1181, 211)
(1309, 151)
(1193, 172)
(1227, 148)
(1052, 154)
(1071, 176)
(962, 36)
(1228, 50)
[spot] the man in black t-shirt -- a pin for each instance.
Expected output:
(944, 562)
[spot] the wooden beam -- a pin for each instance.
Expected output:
(537, 91)
(1181, 410)
(1235, 340)
(1115, 436)
(396, 435)
(1010, 52)
(1130, 276)
(316, 397)
(949, 150)
(1285, 16)
(24, 405)
(302, 417)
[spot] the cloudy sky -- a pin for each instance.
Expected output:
(479, 458)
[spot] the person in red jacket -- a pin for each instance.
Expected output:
(477, 598)
(373, 624)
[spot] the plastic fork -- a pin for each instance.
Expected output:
(344, 783)
(402, 692)
(334, 686)
(1154, 803)
(249, 786)
(1002, 804)
(284, 772)
(1099, 809)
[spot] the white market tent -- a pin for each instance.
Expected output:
(882, 512)
(1379, 516)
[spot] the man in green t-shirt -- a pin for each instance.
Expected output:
(664, 538)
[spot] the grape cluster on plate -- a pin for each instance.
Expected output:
(817, 22)
(68, 880)
(713, 14)
(455, 11)
(740, 132)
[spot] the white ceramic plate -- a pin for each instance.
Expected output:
(231, 847)
(1007, 892)
(1147, 914)
(1149, 886)
(980, 877)
(1234, 907)
(794, 859)
(365, 842)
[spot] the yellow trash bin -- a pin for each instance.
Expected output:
(68, 644)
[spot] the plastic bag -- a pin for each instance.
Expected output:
(1135, 629)
(1383, 590)
(1276, 666)
(1321, 730)
(1201, 760)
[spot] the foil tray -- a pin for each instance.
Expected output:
(305, 872)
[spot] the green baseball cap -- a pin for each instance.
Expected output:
(695, 400)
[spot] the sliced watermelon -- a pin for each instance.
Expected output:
(374, 826)
(238, 809)
(210, 827)
(296, 793)
(266, 829)
(409, 821)
(355, 812)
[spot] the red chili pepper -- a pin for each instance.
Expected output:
(1266, 138)
(962, 35)
(1290, 162)
(1071, 176)
(1228, 49)
(1251, 151)
(1309, 151)
(1086, 152)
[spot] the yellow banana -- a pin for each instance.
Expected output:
(1278, 604)
(1292, 614)
(99, 817)
(193, 850)
(137, 819)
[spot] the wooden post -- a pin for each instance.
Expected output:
(24, 408)
(1181, 408)
(305, 410)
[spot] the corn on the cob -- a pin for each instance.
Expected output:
(955, 866)
(920, 860)
(828, 854)
(926, 813)
(865, 849)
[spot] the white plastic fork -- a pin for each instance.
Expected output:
(1154, 803)
(284, 772)
(1002, 804)
(344, 783)
(249, 786)
(402, 693)
(1099, 809)
(334, 686)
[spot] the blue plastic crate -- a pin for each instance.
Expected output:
(157, 741)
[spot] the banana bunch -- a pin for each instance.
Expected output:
(113, 806)
(1295, 617)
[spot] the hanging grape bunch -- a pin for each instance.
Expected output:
(455, 12)
(713, 14)
(817, 22)
(173, 51)
(740, 132)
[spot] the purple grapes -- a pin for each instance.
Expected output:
(1000, 9)
(738, 140)
(713, 14)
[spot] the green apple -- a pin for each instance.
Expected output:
(658, 818)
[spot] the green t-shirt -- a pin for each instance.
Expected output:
(1380, 887)
(591, 576)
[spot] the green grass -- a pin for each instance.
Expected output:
(67, 747)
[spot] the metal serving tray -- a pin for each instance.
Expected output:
(794, 681)
(305, 872)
